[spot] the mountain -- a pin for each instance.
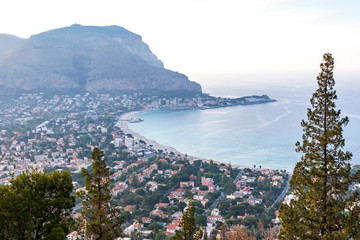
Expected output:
(89, 58)
(8, 42)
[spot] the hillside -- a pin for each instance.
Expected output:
(8, 42)
(89, 58)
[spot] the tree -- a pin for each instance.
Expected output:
(101, 219)
(36, 205)
(189, 230)
(321, 180)
(240, 233)
(134, 180)
(160, 236)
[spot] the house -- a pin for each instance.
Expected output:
(152, 185)
(253, 201)
(193, 177)
(198, 197)
(146, 220)
(159, 205)
(204, 202)
(223, 168)
(186, 184)
(116, 190)
(240, 184)
(275, 184)
(172, 228)
(73, 236)
(205, 181)
(179, 191)
(202, 193)
(260, 179)
(129, 208)
(138, 225)
(215, 211)
(215, 218)
(158, 212)
(177, 215)
(231, 196)
(180, 166)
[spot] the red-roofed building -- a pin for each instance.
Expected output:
(129, 208)
(202, 193)
(205, 181)
(172, 228)
(146, 220)
(180, 166)
(193, 177)
(223, 168)
(158, 212)
(159, 205)
(138, 225)
(240, 184)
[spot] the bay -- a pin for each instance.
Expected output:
(262, 135)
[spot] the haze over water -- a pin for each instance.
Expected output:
(263, 134)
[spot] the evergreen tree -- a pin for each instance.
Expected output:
(189, 230)
(102, 221)
(36, 206)
(321, 180)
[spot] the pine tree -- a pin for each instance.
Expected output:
(101, 219)
(36, 205)
(323, 209)
(189, 230)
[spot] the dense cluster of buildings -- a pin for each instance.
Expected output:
(58, 132)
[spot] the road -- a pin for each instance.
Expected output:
(237, 177)
(223, 194)
(282, 195)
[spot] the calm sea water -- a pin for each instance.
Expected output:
(262, 134)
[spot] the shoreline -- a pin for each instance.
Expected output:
(123, 125)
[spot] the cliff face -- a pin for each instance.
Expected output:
(88, 58)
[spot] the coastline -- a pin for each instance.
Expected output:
(123, 125)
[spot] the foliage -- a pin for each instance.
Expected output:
(322, 178)
(35, 204)
(189, 230)
(200, 219)
(160, 236)
(101, 219)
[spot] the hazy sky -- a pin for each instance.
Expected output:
(213, 37)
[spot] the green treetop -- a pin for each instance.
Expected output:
(100, 219)
(36, 206)
(189, 230)
(321, 180)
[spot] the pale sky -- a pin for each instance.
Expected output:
(212, 37)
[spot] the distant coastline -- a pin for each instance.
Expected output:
(201, 102)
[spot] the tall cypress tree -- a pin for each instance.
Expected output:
(101, 220)
(323, 208)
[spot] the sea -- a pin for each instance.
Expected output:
(262, 135)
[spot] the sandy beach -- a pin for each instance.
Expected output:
(123, 125)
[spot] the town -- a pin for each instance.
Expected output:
(151, 185)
